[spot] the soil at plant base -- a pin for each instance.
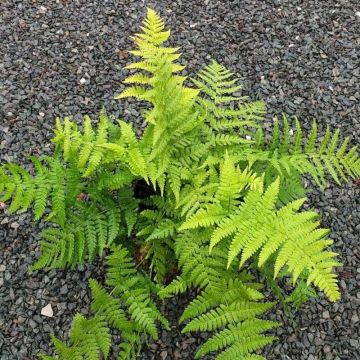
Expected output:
(67, 58)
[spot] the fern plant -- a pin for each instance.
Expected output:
(203, 200)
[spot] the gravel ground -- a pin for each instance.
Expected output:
(65, 57)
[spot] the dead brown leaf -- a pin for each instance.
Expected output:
(122, 54)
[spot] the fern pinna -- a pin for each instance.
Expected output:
(203, 200)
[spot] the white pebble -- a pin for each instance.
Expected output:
(47, 311)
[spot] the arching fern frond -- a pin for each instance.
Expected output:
(239, 340)
(52, 183)
(288, 153)
(134, 290)
(257, 227)
(129, 308)
(109, 307)
(88, 339)
(226, 306)
(87, 232)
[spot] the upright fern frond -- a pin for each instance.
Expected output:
(218, 83)
(229, 189)
(301, 294)
(172, 115)
(57, 178)
(153, 29)
(135, 157)
(90, 148)
(159, 231)
(228, 126)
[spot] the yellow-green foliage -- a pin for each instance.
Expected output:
(257, 227)
(201, 197)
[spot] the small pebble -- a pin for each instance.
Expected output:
(326, 315)
(47, 311)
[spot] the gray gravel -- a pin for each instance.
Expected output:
(65, 57)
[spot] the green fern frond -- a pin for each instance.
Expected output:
(242, 350)
(87, 143)
(91, 148)
(219, 317)
(247, 335)
(17, 186)
(153, 29)
(114, 180)
(167, 124)
(57, 178)
(88, 338)
(136, 160)
(159, 232)
(128, 347)
(223, 291)
(101, 137)
(242, 332)
(105, 305)
(218, 83)
(134, 290)
(287, 154)
(52, 181)
(87, 232)
(301, 294)
(256, 226)
(133, 91)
